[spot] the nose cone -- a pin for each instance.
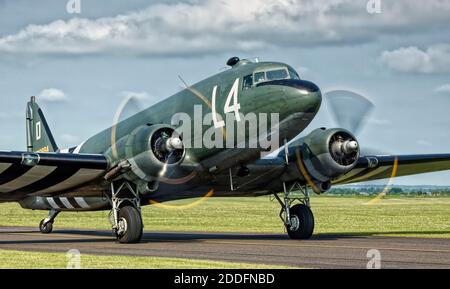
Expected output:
(306, 94)
(310, 95)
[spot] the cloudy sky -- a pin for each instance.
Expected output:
(81, 65)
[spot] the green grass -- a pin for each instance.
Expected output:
(402, 216)
(29, 260)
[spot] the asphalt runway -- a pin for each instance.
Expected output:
(323, 251)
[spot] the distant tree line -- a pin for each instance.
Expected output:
(394, 191)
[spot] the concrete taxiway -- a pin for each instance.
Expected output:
(323, 251)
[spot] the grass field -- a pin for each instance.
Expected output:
(29, 260)
(403, 216)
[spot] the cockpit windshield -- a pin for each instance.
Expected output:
(277, 74)
(268, 75)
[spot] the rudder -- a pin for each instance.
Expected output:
(39, 136)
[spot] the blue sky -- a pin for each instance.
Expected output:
(82, 65)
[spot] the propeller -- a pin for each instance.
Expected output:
(350, 110)
(344, 149)
(167, 147)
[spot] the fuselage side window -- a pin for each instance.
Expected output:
(247, 82)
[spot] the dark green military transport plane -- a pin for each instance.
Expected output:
(190, 146)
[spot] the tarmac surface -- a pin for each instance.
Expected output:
(323, 251)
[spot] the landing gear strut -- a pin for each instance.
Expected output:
(125, 216)
(46, 225)
(298, 219)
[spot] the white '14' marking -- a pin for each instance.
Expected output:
(217, 123)
(232, 96)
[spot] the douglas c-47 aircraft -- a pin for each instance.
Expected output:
(211, 138)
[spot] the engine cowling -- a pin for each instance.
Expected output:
(150, 150)
(328, 154)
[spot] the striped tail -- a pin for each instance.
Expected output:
(39, 136)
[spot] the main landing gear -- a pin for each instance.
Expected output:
(125, 216)
(298, 219)
(46, 225)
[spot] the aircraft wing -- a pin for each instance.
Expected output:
(370, 168)
(25, 173)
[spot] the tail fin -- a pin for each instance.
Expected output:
(39, 136)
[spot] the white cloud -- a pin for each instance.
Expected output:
(52, 95)
(211, 26)
(442, 89)
(434, 59)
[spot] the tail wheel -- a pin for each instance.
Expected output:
(302, 222)
(45, 228)
(130, 225)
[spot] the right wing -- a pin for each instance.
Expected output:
(370, 168)
(25, 173)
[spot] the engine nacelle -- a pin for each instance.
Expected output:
(328, 154)
(149, 150)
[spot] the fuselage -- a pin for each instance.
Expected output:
(263, 88)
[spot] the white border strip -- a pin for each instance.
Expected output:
(52, 203)
(66, 203)
(81, 202)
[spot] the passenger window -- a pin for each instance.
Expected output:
(260, 76)
(277, 74)
(248, 82)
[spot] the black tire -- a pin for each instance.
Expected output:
(134, 226)
(304, 227)
(47, 229)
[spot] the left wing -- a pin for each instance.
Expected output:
(25, 173)
(370, 168)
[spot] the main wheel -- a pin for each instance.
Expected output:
(302, 222)
(130, 225)
(47, 228)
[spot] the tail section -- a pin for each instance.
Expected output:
(39, 136)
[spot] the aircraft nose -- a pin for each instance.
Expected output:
(300, 94)
(313, 98)
(304, 94)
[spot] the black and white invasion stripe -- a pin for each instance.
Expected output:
(24, 174)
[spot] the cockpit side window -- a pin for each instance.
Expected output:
(247, 82)
(260, 76)
(293, 74)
